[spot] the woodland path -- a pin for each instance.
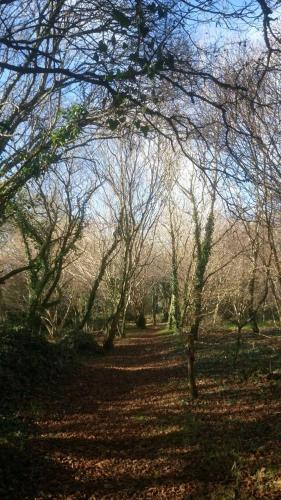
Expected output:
(123, 427)
(117, 431)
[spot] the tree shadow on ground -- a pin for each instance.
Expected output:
(126, 429)
(199, 451)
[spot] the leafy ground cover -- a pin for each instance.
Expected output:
(123, 427)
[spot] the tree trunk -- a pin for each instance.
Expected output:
(197, 311)
(154, 308)
(254, 322)
(93, 292)
(123, 324)
(252, 289)
(171, 320)
(175, 312)
(114, 324)
(108, 344)
(216, 311)
(191, 366)
(238, 345)
(33, 316)
(195, 329)
(141, 321)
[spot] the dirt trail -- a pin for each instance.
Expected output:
(117, 431)
(123, 427)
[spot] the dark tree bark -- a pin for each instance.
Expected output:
(191, 366)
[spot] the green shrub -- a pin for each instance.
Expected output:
(82, 342)
(28, 360)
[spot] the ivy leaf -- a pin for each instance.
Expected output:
(145, 130)
(113, 124)
(162, 13)
(159, 64)
(144, 30)
(130, 74)
(170, 61)
(151, 71)
(152, 7)
(102, 46)
(118, 99)
(121, 18)
(134, 56)
(110, 76)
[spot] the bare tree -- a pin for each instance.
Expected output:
(50, 215)
(135, 178)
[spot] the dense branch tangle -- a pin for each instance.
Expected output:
(114, 60)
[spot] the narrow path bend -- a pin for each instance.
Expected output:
(116, 433)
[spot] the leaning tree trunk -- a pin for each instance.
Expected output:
(93, 292)
(123, 319)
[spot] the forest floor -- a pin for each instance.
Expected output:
(124, 427)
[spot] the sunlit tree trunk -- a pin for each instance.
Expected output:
(203, 245)
(203, 251)
(174, 312)
(93, 292)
